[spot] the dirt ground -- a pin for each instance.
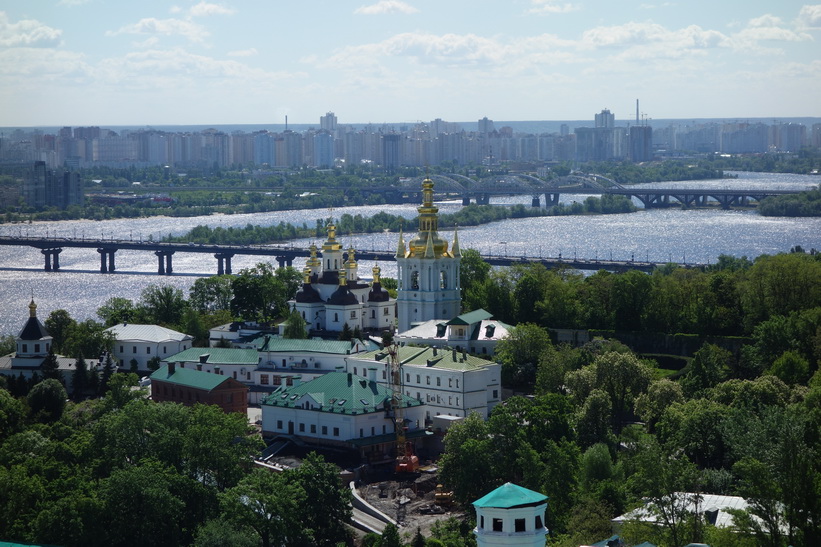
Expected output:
(410, 502)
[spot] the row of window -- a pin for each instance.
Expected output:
(427, 380)
(519, 525)
(25, 348)
(148, 349)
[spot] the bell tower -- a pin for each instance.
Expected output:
(510, 516)
(427, 272)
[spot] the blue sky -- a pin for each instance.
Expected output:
(151, 62)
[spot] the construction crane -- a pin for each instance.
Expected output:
(406, 460)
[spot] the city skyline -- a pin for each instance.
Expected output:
(93, 62)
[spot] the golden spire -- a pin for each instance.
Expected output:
(331, 244)
(32, 308)
(306, 275)
(351, 263)
(455, 251)
(314, 261)
(343, 277)
(376, 271)
(428, 226)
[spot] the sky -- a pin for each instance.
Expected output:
(152, 62)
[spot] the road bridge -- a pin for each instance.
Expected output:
(283, 254)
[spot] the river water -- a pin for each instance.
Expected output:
(657, 234)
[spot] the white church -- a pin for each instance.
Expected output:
(333, 295)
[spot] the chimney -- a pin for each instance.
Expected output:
(171, 368)
(454, 355)
(199, 366)
(434, 352)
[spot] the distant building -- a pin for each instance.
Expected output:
(333, 296)
(328, 122)
(142, 343)
(476, 331)
(641, 143)
(342, 410)
(189, 387)
(49, 188)
(511, 516)
(448, 382)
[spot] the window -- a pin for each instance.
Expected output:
(385, 311)
(279, 424)
(336, 432)
(324, 429)
(438, 381)
(353, 315)
(302, 428)
(121, 349)
(354, 371)
(384, 375)
(313, 428)
(383, 429)
(538, 521)
(415, 280)
(450, 382)
(497, 525)
(276, 380)
(373, 314)
(407, 377)
(148, 350)
(482, 521)
(418, 381)
(36, 348)
(373, 430)
(427, 379)
(519, 525)
(336, 317)
(133, 349)
(263, 379)
(361, 432)
(418, 395)
(164, 350)
(495, 393)
(457, 382)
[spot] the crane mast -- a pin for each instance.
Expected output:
(406, 460)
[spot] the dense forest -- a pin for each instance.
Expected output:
(728, 402)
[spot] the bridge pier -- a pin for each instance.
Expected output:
(164, 264)
(551, 200)
(465, 200)
(535, 202)
(52, 259)
(223, 263)
(107, 260)
(284, 261)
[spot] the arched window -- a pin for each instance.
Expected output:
(415, 281)
(443, 279)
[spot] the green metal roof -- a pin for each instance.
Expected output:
(338, 393)
(442, 359)
(267, 342)
(189, 378)
(510, 495)
(216, 356)
(471, 317)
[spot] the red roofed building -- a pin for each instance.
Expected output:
(189, 387)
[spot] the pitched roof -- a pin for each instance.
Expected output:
(217, 356)
(338, 393)
(189, 378)
(430, 357)
(471, 317)
(147, 333)
(266, 342)
(510, 495)
(33, 330)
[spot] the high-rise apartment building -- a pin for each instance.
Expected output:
(605, 119)
(328, 122)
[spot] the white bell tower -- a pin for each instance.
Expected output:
(427, 272)
(511, 516)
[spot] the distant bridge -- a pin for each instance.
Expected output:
(283, 254)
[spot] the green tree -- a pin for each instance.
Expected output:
(709, 367)
(326, 509)
(390, 536)
(520, 353)
(295, 327)
(261, 293)
(50, 367)
(89, 338)
(165, 303)
(79, 378)
(791, 368)
(116, 310)
(211, 294)
(267, 503)
(473, 270)
(659, 396)
(47, 400)
(220, 533)
(12, 414)
(59, 325)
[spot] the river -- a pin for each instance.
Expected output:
(673, 234)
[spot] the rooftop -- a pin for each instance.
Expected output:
(217, 356)
(510, 495)
(189, 378)
(339, 393)
(267, 342)
(146, 333)
(430, 357)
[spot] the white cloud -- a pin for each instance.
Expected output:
(166, 27)
(810, 17)
(384, 7)
(651, 34)
(27, 33)
(543, 7)
(41, 66)
(250, 52)
(204, 9)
